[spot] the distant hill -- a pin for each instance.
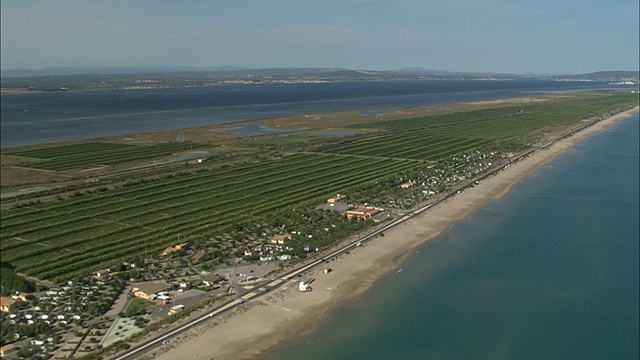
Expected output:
(608, 76)
(423, 71)
(419, 71)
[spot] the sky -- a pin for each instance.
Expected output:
(496, 36)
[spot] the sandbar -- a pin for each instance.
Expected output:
(260, 325)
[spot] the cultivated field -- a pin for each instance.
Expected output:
(437, 137)
(66, 238)
(141, 214)
(96, 154)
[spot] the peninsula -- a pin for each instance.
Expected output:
(257, 327)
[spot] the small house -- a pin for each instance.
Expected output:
(172, 249)
(408, 184)
(198, 256)
(6, 303)
(8, 349)
(149, 290)
(336, 199)
(280, 239)
(211, 279)
(362, 213)
(169, 250)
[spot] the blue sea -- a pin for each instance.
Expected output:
(549, 271)
(48, 117)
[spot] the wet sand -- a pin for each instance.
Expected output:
(262, 324)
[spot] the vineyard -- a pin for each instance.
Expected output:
(437, 137)
(58, 240)
(66, 238)
(97, 154)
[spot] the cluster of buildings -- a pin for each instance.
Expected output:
(274, 250)
(40, 321)
(195, 256)
(69, 307)
(363, 212)
(160, 290)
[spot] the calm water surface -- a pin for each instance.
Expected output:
(548, 272)
(29, 119)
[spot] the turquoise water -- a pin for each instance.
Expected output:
(548, 272)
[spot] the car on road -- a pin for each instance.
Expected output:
(263, 289)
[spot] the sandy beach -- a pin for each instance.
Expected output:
(259, 325)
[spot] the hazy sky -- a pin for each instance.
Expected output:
(515, 36)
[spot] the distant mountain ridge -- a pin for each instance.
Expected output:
(422, 71)
(609, 75)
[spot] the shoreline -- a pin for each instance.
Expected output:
(261, 325)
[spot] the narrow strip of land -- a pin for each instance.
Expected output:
(262, 325)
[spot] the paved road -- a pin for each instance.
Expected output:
(120, 304)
